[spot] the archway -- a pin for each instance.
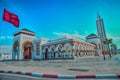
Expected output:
(16, 49)
(46, 53)
(52, 50)
(76, 49)
(59, 50)
(27, 47)
(67, 48)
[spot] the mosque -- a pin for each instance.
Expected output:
(27, 46)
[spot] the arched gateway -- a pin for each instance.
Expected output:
(23, 47)
(15, 49)
(27, 47)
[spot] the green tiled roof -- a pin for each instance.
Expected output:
(91, 35)
(24, 29)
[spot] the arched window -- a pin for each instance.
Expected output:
(60, 48)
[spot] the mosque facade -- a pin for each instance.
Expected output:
(27, 46)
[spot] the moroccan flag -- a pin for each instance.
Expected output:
(11, 18)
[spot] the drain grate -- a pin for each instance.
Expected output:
(83, 70)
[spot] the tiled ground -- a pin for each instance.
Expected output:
(86, 65)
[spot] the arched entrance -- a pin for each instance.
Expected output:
(16, 49)
(46, 53)
(52, 50)
(27, 47)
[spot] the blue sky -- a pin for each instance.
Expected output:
(51, 18)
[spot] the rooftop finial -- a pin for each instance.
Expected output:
(98, 16)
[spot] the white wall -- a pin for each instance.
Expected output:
(40, 41)
(97, 42)
(21, 38)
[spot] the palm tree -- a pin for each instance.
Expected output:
(114, 46)
(108, 42)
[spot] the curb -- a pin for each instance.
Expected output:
(80, 76)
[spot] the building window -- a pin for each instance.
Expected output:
(37, 49)
(99, 46)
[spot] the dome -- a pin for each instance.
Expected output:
(91, 36)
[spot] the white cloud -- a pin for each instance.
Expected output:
(59, 33)
(75, 34)
(114, 37)
(6, 37)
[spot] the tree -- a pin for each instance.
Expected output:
(114, 46)
(108, 42)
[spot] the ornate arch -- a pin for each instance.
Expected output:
(76, 47)
(46, 47)
(27, 42)
(67, 47)
(85, 47)
(16, 43)
(52, 48)
(79, 46)
(59, 47)
(27, 47)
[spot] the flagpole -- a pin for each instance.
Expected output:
(0, 36)
(1, 26)
(2, 13)
(3, 2)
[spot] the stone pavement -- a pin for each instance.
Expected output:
(86, 65)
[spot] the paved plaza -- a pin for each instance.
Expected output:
(83, 65)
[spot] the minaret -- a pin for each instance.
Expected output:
(101, 33)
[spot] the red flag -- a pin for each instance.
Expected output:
(26, 53)
(11, 18)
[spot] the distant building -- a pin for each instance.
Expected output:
(5, 52)
(27, 46)
(102, 34)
